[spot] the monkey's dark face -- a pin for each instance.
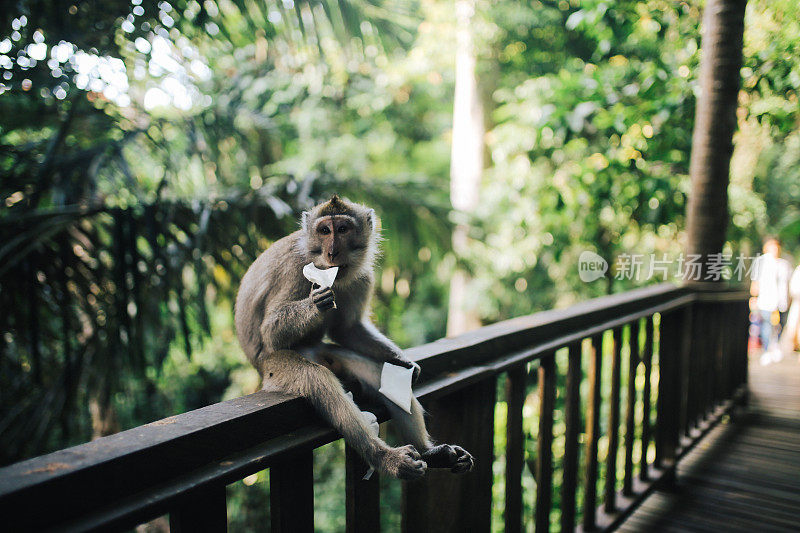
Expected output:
(339, 233)
(337, 241)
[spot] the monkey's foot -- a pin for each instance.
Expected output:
(456, 458)
(404, 463)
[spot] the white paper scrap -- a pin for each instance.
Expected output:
(323, 278)
(396, 385)
(372, 422)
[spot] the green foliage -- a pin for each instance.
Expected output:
(764, 192)
(590, 154)
(131, 207)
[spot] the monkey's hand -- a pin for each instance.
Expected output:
(405, 363)
(323, 298)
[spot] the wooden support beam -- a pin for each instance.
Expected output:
(592, 432)
(362, 496)
(630, 408)
(647, 361)
(515, 448)
(203, 510)
(613, 426)
(572, 419)
(667, 430)
(544, 455)
(291, 494)
(443, 501)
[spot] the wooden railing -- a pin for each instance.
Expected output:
(688, 347)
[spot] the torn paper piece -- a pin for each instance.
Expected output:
(374, 427)
(372, 422)
(396, 385)
(369, 418)
(368, 474)
(323, 278)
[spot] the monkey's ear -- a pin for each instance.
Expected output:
(373, 219)
(304, 219)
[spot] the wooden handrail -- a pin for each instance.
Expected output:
(162, 467)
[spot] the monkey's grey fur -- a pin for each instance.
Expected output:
(281, 322)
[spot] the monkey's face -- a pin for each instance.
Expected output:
(338, 241)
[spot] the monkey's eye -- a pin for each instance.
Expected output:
(325, 230)
(343, 229)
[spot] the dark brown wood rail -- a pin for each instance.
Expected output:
(691, 342)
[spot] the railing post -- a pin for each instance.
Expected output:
(613, 427)
(685, 376)
(695, 366)
(572, 420)
(706, 387)
(715, 362)
(466, 418)
(668, 400)
(291, 494)
(515, 448)
(203, 510)
(727, 354)
(647, 360)
(362, 496)
(630, 409)
(544, 455)
(743, 345)
(593, 432)
(738, 345)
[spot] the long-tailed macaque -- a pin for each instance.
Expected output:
(281, 320)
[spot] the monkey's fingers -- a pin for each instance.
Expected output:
(408, 463)
(441, 456)
(412, 451)
(326, 305)
(321, 291)
(456, 458)
(464, 462)
(320, 294)
(325, 302)
(323, 297)
(405, 363)
(417, 370)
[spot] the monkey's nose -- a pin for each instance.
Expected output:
(332, 255)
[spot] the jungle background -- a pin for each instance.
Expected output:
(149, 150)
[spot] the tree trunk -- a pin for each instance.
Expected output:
(104, 416)
(466, 163)
(715, 123)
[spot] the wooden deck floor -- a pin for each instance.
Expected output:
(745, 475)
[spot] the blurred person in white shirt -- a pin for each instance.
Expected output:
(790, 337)
(770, 286)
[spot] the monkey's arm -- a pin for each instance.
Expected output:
(289, 322)
(363, 337)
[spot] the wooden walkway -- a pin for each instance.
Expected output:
(745, 475)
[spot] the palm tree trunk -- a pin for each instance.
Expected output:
(466, 164)
(715, 123)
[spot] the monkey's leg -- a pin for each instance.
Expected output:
(289, 372)
(350, 365)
